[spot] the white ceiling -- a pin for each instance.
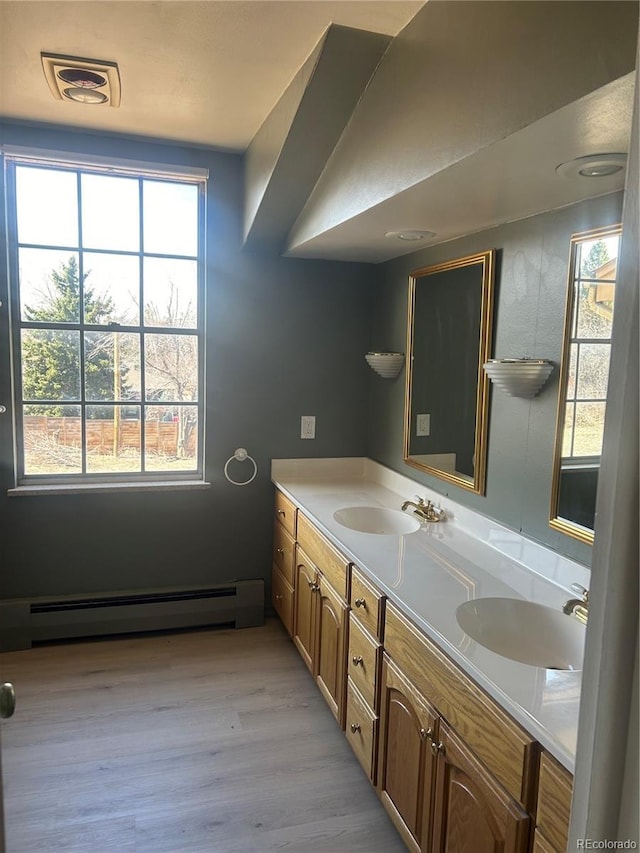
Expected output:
(199, 72)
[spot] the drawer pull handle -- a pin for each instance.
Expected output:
(357, 660)
(355, 727)
(437, 748)
(426, 734)
(360, 602)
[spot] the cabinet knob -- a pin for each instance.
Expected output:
(281, 512)
(7, 700)
(278, 597)
(280, 551)
(426, 734)
(437, 748)
(355, 727)
(314, 587)
(357, 660)
(360, 602)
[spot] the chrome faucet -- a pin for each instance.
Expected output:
(426, 511)
(578, 607)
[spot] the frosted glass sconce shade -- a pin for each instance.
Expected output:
(519, 377)
(387, 364)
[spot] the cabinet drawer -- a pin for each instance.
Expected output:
(282, 599)
(363, 661)
(367, 603)
(322, 553)
(285, 513)
(509, 752)
(361, 729)
(283, 551)
(555, 789)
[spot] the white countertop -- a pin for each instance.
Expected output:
(427, 574)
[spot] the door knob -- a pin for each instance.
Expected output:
(7, 701)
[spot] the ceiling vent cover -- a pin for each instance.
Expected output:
(85, 81)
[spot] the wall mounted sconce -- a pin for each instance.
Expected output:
(519, 377)
(387, 364)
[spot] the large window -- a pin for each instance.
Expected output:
(594, 269)
(107, 288)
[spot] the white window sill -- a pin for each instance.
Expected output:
(107, 488)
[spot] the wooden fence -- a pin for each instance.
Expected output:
(160, 437)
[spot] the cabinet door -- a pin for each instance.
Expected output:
(406, 764)
(330, 648)
(306, 583)
(472, 812)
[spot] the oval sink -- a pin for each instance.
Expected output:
(375, 519)
(524, 631)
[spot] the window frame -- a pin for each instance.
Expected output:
(141, 171)
(573, 460)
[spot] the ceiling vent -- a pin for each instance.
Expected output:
(86, 81)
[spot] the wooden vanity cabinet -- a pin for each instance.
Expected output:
(472, 811)
(282, 576)
(406, 763)
(320, 631)
(555, 790)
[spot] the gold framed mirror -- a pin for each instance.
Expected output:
(584, 375)
(447, 391)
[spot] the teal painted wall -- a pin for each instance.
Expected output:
(531, 280)
(285, 337)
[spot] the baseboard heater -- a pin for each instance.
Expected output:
(26, 621)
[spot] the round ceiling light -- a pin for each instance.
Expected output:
(593, 166)
(410, 234)
(85, 96)
(82, 78)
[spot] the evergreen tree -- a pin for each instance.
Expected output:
(51, 357)
(597, 255)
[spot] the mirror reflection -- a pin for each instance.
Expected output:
(584, 376)
(448, 340)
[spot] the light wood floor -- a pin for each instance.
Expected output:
(215, 741)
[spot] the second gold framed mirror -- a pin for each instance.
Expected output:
(446, 394)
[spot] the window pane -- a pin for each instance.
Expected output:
(112, 366)
(599, 258)
(110, 213)
(594, 318)
(50, 364)
(113, 440)
(571, 376)
(111, 289)
(171, 435)
(170, 292)
(589, 429)
(171, 367)
(49, 286)
(567, 431)
(593, 374)
(170, 218)
(47, 206)
(52, 440)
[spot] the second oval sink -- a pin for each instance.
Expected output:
(524, 631)
(376, 519)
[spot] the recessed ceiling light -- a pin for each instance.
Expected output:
(85, 81)
(410, 234)
(593, 166)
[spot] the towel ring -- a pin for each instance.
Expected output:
(241, 455)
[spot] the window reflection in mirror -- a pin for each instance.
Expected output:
(584, 379)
